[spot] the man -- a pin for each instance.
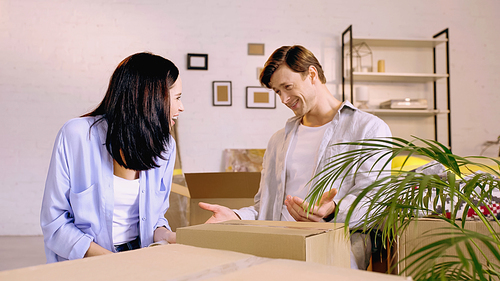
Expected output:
(301, 149)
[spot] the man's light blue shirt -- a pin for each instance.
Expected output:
(349, 124)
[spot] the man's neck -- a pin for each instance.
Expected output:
(324, 111)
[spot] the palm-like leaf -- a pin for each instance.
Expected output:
(395, 200)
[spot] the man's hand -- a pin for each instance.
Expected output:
(220, 213)
(162, 233)
(325, 207)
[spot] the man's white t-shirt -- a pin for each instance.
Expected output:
(301, 162)
(300, 167)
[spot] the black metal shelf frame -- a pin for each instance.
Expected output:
(445, 33)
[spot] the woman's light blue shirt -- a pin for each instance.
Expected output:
(77, 206)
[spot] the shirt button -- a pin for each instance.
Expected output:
(143, 219)
(142, 191)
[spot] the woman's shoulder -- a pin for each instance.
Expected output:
(78, 127)
(170, 149)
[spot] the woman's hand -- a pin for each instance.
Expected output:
(96, 250)
(162, 233)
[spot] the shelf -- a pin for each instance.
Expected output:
(397, 77)
(416, 43)
(424, 49)
(407, 112)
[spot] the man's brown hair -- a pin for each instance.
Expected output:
(296, 57)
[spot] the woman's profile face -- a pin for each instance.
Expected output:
(176, 106)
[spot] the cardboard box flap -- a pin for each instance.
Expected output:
(258, 229)
(181, 190)
(291, 224)
(223, 185)
(306, 229)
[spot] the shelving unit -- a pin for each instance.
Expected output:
(385, 77)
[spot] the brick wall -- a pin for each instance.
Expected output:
(57, 56)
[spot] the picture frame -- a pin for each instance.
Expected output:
(256, 49)
(197, 61)
(222, 93)
(260, 97)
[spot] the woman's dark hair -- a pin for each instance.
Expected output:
(296, 57)
(137, 110)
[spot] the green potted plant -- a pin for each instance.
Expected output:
(402, 197)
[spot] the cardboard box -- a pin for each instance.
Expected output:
(178, 211)
(154, 263)
(323, 243)
(278, 269)
(181, 262)
(230, 189)
(419, 233)
(233, 190)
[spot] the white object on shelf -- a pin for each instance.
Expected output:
(362, 95)
(404, 104)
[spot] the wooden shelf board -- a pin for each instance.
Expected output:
(397, 77)
(413, 112)
(385, 42)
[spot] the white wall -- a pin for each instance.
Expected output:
(57, 56)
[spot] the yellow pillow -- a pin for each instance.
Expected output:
(412, 162)
(474, 168)
(416, 161)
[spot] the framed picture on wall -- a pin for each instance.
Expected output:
(260, 97)
(197, 61)
(255, 49)
(222, 93)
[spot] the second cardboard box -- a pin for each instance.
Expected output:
(323, 243)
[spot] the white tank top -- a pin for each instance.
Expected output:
(126, 211)
(301, 162)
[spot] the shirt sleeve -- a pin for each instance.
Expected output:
(62, 238)
(262, 198)
(363, 178)
(252, 212)
(167, 181)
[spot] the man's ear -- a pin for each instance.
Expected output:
(313, 73)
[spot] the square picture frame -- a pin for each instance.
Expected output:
(256, 49)
(197, 61)
(222, 93)
(260, 97)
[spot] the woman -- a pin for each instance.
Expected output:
(110, 175)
